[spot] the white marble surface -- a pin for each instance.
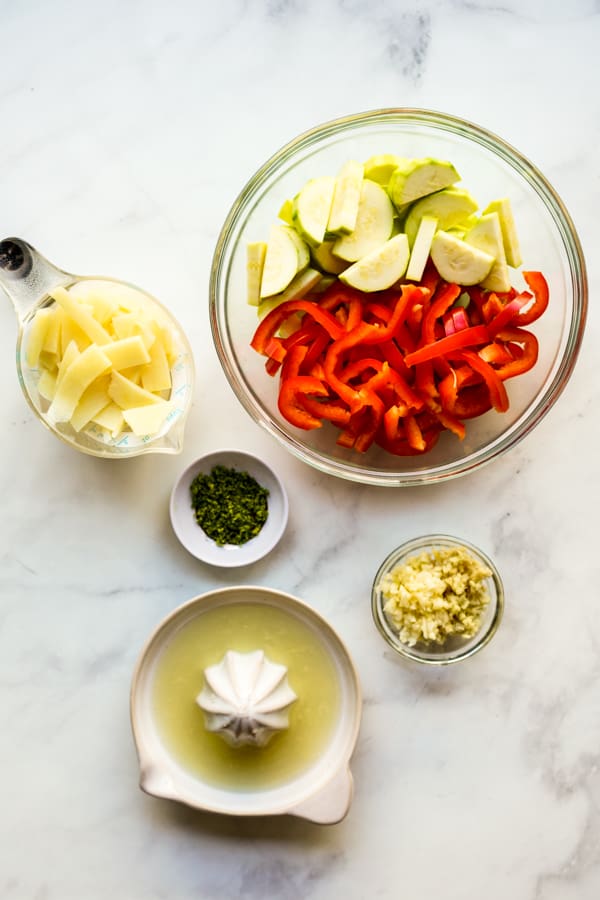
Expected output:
(127, 130)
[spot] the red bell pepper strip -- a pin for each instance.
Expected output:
(275, 349)
(414, 435)
(358, 367)
(508, 313)
(443, 299)
(468, 337)
(392, 419)
(496, 354)
(414, 317)
(431, 278)
(400, 446)
(315, 350)
(339, 294)
(379, 333)
(332, 359)
(293, 361)
(472, 401)
(539, 286)
(498, 395)
(272, 366)
(367, 419)
(528, 358)
(345, 303)
(364, 423)
(492, 306)
(377, 311)
(290, 404)
(388, 377)
(449, 421)
(264, 336)
(394, 356)
(424, 380)
(355, 314)
(327, 409)
(303, 335)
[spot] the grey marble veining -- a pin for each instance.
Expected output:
(127, 131)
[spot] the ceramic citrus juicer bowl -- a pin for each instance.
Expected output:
(28, 278)
(244, 701)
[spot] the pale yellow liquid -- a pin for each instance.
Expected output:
(203, 642)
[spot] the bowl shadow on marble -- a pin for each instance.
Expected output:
(281, 828)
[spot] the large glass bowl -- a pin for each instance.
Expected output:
(490, 169)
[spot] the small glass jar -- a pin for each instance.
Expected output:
(454, 648)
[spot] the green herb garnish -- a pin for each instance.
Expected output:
(230, 506)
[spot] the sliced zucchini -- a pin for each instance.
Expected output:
(449, 206)
(303, 283)
(281, 261)
(312, 207)
(346, 197)
(255, 261)
(379, 168)
(381, 268)
(286, 213)
(456, 232)
(321, 286)
(417, 178)
(325, 260)
(509, 230)
(459, 262)
(486, 235)
(301, 248)
(421, 248)
(373, 227)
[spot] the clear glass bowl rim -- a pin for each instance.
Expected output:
(578, 284)
(421, 544)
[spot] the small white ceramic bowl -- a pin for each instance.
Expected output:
(197, 542)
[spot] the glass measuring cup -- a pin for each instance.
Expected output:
(27, 278)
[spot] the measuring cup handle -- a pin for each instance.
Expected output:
(26, 276)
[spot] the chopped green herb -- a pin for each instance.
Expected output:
(230, 506)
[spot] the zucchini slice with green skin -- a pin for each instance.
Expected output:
(486, 235)
(379, 168)
(421, 248)
(281, 261)
(312, 207)
(301, 248)
(255, 261)
(346, 198)
(418, 178)
(373, 227)
(286, 213)
(324, 259)
(381, 268)
(459, 262)
(509, 230)
(450, 207)
(303, 283)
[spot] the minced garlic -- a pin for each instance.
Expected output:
(435, 595)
